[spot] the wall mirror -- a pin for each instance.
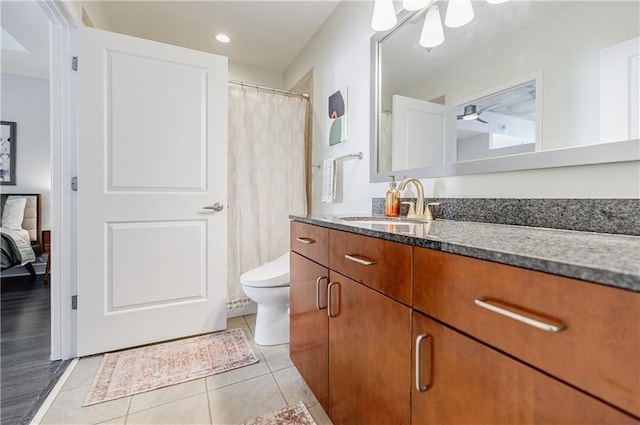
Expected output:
(526, 84)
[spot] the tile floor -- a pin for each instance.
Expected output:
(228, 398)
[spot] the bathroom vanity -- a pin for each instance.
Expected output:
(466, 323)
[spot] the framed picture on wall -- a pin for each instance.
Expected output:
(7, 152)
(338, 117)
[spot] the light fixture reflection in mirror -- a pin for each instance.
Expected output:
(584, 86)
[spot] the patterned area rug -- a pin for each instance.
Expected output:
(128, 372)
(294, 415)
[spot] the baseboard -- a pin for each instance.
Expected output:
(249, 308)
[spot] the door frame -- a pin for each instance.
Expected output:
(63, 142)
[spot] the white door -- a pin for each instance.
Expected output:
(421, 132)
(152, 153)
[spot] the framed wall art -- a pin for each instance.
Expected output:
(7, 152)
(338, 117)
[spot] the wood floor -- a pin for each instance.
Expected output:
(27, 375)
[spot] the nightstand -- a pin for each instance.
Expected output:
(46, 249)
(46, 241)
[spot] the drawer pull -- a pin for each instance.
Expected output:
(519, 317)
(318, 280)
(359, 260)
(306, 241)
(329, 313)
(420, 388)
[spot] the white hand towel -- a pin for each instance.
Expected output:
(328, 180)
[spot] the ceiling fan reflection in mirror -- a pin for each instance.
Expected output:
(471, 113)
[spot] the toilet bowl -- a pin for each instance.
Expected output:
(268, 286)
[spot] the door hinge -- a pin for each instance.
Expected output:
(74, 184)
(74, 302)
(74, 63)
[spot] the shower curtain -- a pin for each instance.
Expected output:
(266, 179)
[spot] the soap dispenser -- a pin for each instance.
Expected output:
(392, 200)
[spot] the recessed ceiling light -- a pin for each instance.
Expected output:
(223, 38)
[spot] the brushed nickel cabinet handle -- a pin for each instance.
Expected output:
(420, 388)
(519, 317)
(318, 280)
(331, 315)
(359, 260)
(306, 241)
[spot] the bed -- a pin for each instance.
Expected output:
(20, 230)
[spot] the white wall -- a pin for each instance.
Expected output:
(251, 74)
(94, 10)
(339, 55)
(26, 101)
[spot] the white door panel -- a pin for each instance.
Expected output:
(417, 126)
(149, 243)
(152, 152)
(170, 115)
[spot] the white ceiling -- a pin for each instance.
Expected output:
(264, 34)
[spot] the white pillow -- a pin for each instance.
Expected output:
(13, 212)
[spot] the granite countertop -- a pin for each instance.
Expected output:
(608, 259)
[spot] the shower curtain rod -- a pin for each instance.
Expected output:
(256, 86)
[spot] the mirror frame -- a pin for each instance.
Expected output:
(601, 153)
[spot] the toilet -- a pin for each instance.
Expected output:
(268, 286)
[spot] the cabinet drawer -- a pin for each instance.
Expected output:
(597, 348)
(463, 381)
(310, 241)
(382, 265)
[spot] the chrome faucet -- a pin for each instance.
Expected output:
(419, 213)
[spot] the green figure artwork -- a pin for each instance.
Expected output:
(338, 117)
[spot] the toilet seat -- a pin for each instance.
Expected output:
(269, 275)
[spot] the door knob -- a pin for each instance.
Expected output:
(216, 207)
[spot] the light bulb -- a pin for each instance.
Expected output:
(384, 15)
(415, 4)
(459, 13)
(432, 34)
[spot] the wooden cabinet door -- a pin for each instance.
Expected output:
(470, 383)
(309, 324)
(369, 356)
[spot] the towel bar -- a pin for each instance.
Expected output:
(341, 158)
